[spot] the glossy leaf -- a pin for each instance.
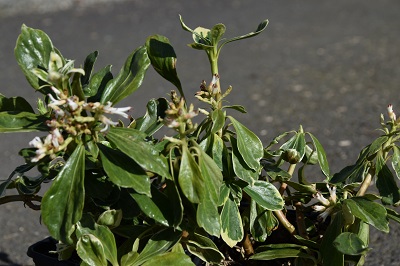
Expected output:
(190, 178)
(88, 67)
(241, 169)
(281, 251)
(163, 58)
(170, 258)
(393, 215)
(110, 218)
(175, 202)
(330, 255)
(62, 204)
(231, 221)
(249, 145)
(396, 161)
(129, 78)
(258, 222)
(368, 211)
(260, 28)
(22, 122)
(158, 207)
(151, 122)
(132, 143)
(207, 210)
(204, 248)
(87, 227)
(387, 186)
(159, 243)
(32, 51)
(350, 244)
(94, 90)
(123, 171)
(298, 143)
(90, 250)
(236, 107)
(14, 104)
(266, 195)
(218, 118)
(323, 162)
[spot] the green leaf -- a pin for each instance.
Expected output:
(237, 108)
(217, 32)
(350, 244)
(123, 171)
(218, 118)
(170, 258)
(266, 195)
(241, 169)
(22, 122)
(298, 143)
(376, 145)
(353, 173)
(94, 90)
(261, 27)
(281, 251)
(330, 255)
(190, 178)
(231, 221)
(249, 145)
(158, 244)
(393, 215)
(396, 161)
(158, 207)
(204, 248)
(110, 218)
(101, 233)
(163, 58)
(132, 143)
(151, 122)
(323, 162)
(32, 51)
(90, 250)
(276, 173)
(88, 67)
(387, 186)
(368, 211)
(258, 222)
(129, 78)
(175, 206)
(14, 104)
(207, 211)
(76, 86)
(62, 204)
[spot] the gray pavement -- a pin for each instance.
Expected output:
(332, 66)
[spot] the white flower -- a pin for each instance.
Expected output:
(117, 111)
(318, 208)
(322, 216)
(57, 138)
(322, 199)
(54, 101)
(391, 114)
(332, 193)
(107, 122)
(72, 104)
(41, 147)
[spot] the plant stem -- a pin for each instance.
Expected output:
(290, 172)
(27, 199)
(301, 225)
(365, 184)
(248, 247)
(285, 222)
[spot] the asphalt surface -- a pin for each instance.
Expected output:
(331, 66)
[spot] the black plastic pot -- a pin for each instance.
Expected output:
(41, 254)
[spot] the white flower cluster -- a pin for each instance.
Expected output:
(328, 205)
(68, 122)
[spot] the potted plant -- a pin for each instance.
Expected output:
(203, 191)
